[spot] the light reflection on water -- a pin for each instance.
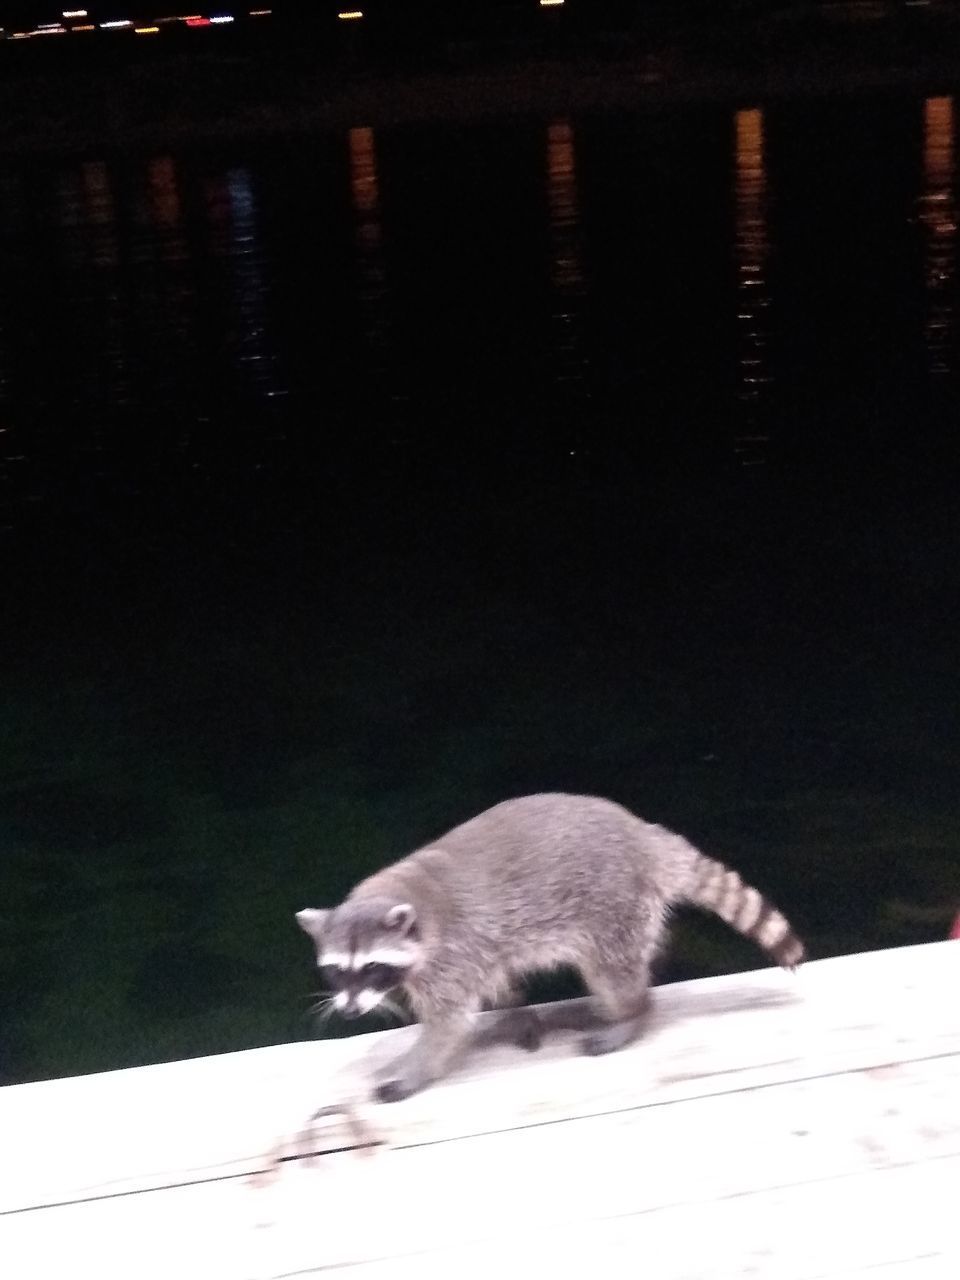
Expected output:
(196, 289)
(938, 214)
(166, 206)
(100, 210)
(168, 290)
(368, 241)
(107, 349)
(753, 295)
(235, 240)
(11, 216)
(567, 278)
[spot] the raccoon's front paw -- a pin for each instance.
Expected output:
(398, 1079)
(392, 1091)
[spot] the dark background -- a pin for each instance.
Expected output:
(353, 479)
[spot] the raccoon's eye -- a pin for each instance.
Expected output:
(380, 975)
(332, 975)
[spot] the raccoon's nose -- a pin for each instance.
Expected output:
(350, 1011)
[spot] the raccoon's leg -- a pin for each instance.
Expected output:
(622, 998)
(429, 1058)
(516, 1023)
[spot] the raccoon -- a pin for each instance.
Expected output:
(530, 885)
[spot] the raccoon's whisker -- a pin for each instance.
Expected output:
(391, 1006)
(323, 1008)
(385, 1011)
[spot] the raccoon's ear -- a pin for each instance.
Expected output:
(401, 917)
(311, 920)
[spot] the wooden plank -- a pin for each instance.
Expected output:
(822, 1177)
(471, 1192)
(199, 1232)
(205, 1118)
(865, 1229)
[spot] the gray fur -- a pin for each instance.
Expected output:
(528, 886)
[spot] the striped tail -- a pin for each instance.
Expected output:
(719, 889)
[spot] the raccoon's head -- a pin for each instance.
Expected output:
(365, 950)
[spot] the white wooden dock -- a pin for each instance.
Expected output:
(768, 1125)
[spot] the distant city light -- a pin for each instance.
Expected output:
(154, 27)
(550, 4)
(349, 15)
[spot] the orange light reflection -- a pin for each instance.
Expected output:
(938, 216)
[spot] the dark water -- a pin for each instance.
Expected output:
(351, 485)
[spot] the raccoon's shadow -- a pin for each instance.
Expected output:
(499, 1027)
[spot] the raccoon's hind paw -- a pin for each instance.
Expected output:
(596, 1046)
(528, 1033)
(609, 1039)
(519, 1026)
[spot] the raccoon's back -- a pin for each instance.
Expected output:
(544, 874)
(565, 851)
